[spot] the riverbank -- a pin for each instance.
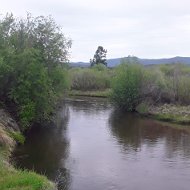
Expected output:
(95, 93)
(172, 113)
(10, 177)
(125, 144)
(167, 112)
(164, 112)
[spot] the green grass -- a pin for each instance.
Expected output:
(21, 180)
(171, 113)
(17, 136)
(98, 93)
(179, 119)
(142, 108)
(13, 179)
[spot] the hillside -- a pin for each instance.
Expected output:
(114, 62)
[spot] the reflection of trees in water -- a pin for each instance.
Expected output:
(89, 105)
(46, 150)
(62, 179)
(132, 132)
(177, 143)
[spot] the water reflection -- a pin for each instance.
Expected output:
(88, 105)
(46, 150)
(91, 146)
(133, 132)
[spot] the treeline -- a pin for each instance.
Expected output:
(33, 55)
(133, 84)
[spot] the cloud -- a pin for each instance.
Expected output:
(144, 28)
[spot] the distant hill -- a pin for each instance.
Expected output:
(79, 64)
(116, 61)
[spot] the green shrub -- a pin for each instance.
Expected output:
(90, 78)
(153, 85)
(177, 83)
(32, 74)
(142, 108)
(126, 86)
(184, 90)
(99, 67)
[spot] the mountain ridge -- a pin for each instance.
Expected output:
(116, 61)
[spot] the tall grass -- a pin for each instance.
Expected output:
(96, 78)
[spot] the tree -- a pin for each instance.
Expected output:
(99, 57)
(33, 52)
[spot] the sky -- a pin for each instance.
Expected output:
(143, 28)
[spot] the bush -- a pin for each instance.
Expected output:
(177, 83)
(33, 53)
(126, 86)
(96, 78)
(153, 85)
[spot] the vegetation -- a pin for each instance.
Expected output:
(134, 87)
(171, 113)
(10, 178)
(21, 180)
(34, 76)
(143, 89)
(17, 136)
(103, 93)
(126, 86)
(90, 79)
(99, 57)
(33, 55)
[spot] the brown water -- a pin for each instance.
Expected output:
(93, 147)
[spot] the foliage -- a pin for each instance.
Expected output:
(99, 57)
(153, 85)
(95, 78)
(130, 60)
(98, 93)
(10, 178)
(135, 86)
(99, 67)
(177, 83)
(142, 108)
(17, 136)
(126, 86)
(33, 52)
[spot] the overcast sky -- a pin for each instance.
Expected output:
(144, 28)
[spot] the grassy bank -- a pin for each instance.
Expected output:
(171, 113)
(12, 178)
(95, 93)
(166, 112)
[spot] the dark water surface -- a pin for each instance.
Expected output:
(93, 147)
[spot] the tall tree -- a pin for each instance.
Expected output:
(99, 57)
(32, 77)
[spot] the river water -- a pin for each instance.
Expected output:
(93, 147)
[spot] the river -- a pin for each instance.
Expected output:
(91, 146)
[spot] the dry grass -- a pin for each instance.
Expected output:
(5, 139)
